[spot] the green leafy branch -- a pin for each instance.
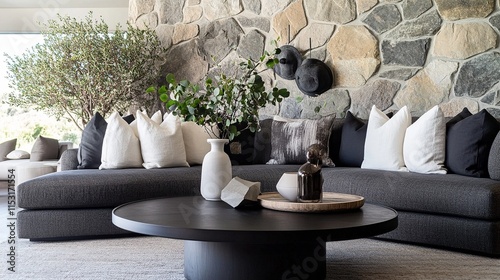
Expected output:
(227, 105)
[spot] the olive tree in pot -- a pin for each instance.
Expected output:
(82, 67)
(226, 105)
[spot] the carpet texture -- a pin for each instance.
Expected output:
(161, 258)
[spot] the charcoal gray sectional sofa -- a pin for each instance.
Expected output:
(449, 211)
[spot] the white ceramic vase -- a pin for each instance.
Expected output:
(287, 186)
(216, 171)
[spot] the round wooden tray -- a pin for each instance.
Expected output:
(331, 202)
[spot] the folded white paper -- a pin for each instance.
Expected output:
(238, 190)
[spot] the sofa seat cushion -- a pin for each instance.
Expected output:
(448, 194)
(93, 188)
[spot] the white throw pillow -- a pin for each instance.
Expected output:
(195, 141)
(156, 117)
(120, 148)
(384, 140)
(18, 154)
(425, 143)
(162, 144)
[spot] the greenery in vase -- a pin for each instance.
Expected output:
(228, 104)
(82, 68)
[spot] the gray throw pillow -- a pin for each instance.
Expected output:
(494, 159)
(7, 147)
(290, 139)
(44, 149)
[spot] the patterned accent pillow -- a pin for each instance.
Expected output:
(291, 138)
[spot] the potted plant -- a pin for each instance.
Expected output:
(226, 105)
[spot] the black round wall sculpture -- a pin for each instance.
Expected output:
(289, 60)
(313, 77)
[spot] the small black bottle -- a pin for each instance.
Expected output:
(310, 177)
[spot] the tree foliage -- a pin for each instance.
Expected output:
(82, 68)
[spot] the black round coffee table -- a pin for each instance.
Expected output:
(226, 243)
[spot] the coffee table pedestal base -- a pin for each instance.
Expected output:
(224, 260)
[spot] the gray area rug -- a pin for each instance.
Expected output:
(161, 258)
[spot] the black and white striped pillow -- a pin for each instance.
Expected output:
(292, 137)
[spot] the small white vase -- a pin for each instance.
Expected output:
(288, 186)
(216, 171)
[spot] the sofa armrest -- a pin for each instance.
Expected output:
(69, 159)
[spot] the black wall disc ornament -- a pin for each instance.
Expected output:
(313, 77)
(289, 60)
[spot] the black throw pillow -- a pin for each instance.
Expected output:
(89, 153)
(468, 142)
(262, 142)
(352, 143)
(240, 149)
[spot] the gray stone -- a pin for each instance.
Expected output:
(495, 21)
(262, 23)
(383, 18)
(318, 33)
(426, 25)
(192, 13)
(218, 38)
(252, 5)
(290, 108)
(414, 8)
(492, 98)
(169, 11)
(355, 54)
(427, 88)
(165, 33)
(289, 22)
(365, 5)
(147, 21)
(478, 75)
(495, 112)
(406, 53)
(221, 8)
(320, 54)
(378, 92)
(460, 9)
(184, 32)
(338, 11)
(468, 39)
(252, 45)
(270, 7)
(456, 105)
(401, 74)
(229, 66)
(186, 62)
(137, 8)
(333, 101)
(193, 2)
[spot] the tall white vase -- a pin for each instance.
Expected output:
(216, 171)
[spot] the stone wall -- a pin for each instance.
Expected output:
(389, 53)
